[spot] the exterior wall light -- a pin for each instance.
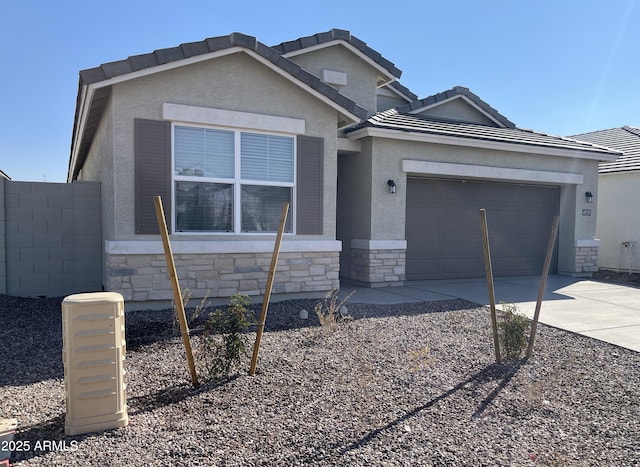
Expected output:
(589, 196)
(392, 186)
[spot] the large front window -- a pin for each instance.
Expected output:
(231, 181)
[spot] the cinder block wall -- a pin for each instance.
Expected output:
(50, 239)
(3, 254)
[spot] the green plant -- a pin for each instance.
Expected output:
(225, 342)
(330, 311)
(420, 359)
(512, 331)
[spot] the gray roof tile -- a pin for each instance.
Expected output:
(393, 119)
(140, 62)
(191, 49)
(625, 139)
(457, 91)
(402, 90)
(333, 35)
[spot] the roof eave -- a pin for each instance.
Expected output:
(481, 143)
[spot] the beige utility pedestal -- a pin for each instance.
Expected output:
(93, 353)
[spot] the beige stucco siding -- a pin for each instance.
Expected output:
(619, 221)
(235, 82)
(362, 79)
(99, 167)
(460, 110)
(354, 201)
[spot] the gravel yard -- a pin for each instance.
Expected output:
(412, 384)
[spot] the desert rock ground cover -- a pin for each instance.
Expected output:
(412, 384)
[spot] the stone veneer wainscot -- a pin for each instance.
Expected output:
(586, 257)
(138, 270)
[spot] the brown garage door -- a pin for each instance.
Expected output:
(443, 227)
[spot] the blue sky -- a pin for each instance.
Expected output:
(556, 66)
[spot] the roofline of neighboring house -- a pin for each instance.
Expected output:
(625, 139)
(389, 72)
(455, 93)
(4, 175)
(596, 153)
(95, 83)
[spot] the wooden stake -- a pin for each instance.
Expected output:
(267, 292)
(489, 270)
(177, 294)
(543, 284)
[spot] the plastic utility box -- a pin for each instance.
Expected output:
(7, 431)
(93, 353)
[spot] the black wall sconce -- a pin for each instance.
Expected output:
(392, 186)
(589, 196)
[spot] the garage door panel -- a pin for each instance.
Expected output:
(443, 227)
(460, 267)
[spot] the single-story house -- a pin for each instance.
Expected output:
(618, 225)
(384, 187)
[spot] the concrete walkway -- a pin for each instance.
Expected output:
(607, 312)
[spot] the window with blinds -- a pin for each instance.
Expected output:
(231, 181)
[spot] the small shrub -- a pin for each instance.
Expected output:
(512, 332)
(420, 359)
(225, 342)
(330, 312)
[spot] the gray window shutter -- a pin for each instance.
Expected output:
(310, 185)
(152, 173)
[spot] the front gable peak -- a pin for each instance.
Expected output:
(387, 71)
(457, 104)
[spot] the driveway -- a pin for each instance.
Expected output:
(608, 312)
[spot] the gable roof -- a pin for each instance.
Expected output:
(625, 139)
(95, 83)
(401, 124)
(328, 38)
(457, 92)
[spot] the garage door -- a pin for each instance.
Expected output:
(443, 228)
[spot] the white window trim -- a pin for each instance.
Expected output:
(236, 182)
(154, 247)
(489, 173)
(194, 115)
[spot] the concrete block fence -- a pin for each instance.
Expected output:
(50, 238)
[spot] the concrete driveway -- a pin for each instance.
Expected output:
(603, 311)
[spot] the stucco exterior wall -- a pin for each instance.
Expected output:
(235, 82)
(362, 79)
(458, 109)
(618, 223)
(354, 201)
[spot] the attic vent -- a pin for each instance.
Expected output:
(335, 78)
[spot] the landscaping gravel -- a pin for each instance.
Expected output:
(413, 384)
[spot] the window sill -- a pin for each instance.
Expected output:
(197, 247)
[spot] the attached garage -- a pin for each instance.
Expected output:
(443, 227)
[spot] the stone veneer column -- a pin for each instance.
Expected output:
(586, 261)
(378, 263)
